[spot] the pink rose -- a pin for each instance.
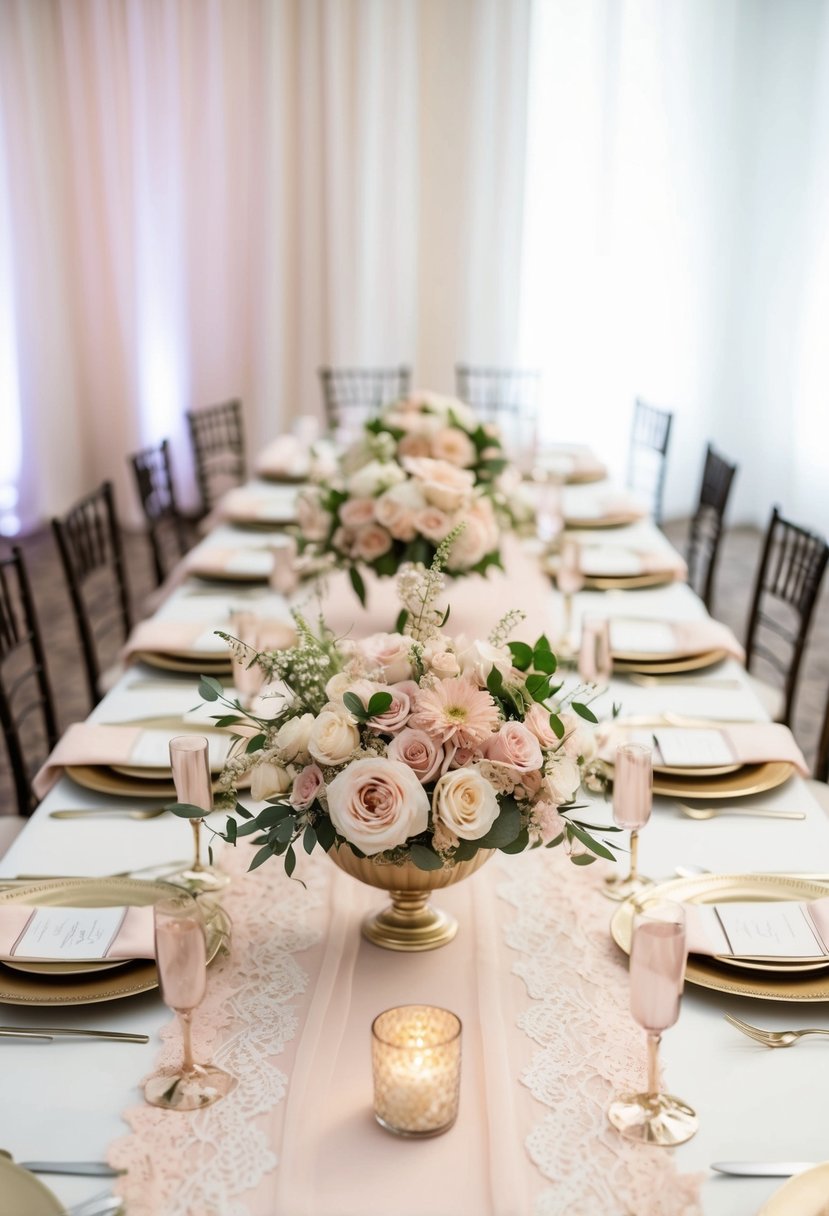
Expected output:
(471, 545)
(414, 445)
(515, 746)
(537, 720)
(396, 509)
(433, 523)
(410, 687)
(452, 445)
(357, 511)
(441, 662)
(312, 518)
(391, 652)
(417, 750)
(377, 804)
(396, 716)
(307, 786)
(371, 542)
(443, 484)
(343, 541)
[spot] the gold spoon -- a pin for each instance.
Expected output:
(85, 813)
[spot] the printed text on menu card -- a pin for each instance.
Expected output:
(69, 934)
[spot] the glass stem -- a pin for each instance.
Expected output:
(634, 855)
(653, 1063)
(196, 826)
(186, 1019)
(568, 614)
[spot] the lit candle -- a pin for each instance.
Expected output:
(416, 1058)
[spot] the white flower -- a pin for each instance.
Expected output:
(478, 658)
(269, 779)
(562, 780)
(334, 736)
(579, 738)
(471, 545)
(465, 803)
(374, 477)
(293, 736)
(377, 804)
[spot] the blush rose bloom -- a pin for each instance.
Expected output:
(396, 509)
(396, 716)
(391, 652)
(312, 518)
(292, 737)
(269, 779)
(537, 719)
(307, 786)
(516, 747)
(418, 751)
(454, 446)
(443, 484)
(465, 803)
(471, 545)
(377, 804)
(562, 782)
(414, 445)
(370, 542)
(333, 737)
(440, 661)
(357, 511)
(433, 523)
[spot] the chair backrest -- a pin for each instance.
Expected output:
(89, 543)
(788, 580)
(353, 395)
(27, 711)
(506, 396)
(648, 454)
(166, 526)
(822, 761)
(707, 523)
(218, 438)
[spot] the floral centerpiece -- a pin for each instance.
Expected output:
(409, 750)
(422, 466)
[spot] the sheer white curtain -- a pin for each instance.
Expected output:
(677, 235)
(210, 198)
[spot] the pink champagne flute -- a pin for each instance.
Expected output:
(284, 579)
(549, 509)
(190, 764)
(181, 957)
(657, 971)
(632, 803)
(595, 661)
(569, 579)
(248, 677)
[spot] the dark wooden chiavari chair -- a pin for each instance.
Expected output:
(648, 453)
(27, 711)
(218, 438)
(788, 580)
(707, 524)
(506, 396)
(89, 543)
(170, 530)
(353, 395)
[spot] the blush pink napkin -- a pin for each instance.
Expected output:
(287, 456)
(750, 742)
(214, 562)
(175, 637)
(134, 939)
(698, 637)
(608, 505)
(87, 743)
(247, 506)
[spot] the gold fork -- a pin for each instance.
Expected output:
(771, 1038)
(756, 812)
(87, 813)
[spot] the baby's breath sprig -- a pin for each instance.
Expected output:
(418, 589)
(500, 634)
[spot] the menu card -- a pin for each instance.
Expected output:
(694, 748)
(69, 934)
(775, 930)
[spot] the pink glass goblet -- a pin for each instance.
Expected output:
(632, 803)
(248, 676)
(569, 580)
(181, 957)
(657, 971)
(190, 764)
(595, 661)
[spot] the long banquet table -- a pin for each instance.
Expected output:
(293, 1017)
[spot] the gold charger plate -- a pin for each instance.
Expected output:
(667, 665)
(105, 780)
(617, 520)
(726, 888)
(216, 575)
(746, 780)
(283, 479)
(140, 975)
(805, 1194)
(628, 582)
(583, 477)
(22, 1194)
(191, 663)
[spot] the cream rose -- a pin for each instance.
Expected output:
(433, 523)
(357, 511)
(440, 661)
(377, 804)
(334, 736)
(391, 652)
(374, 477)
(454, 446)
(443, 484)
(371, 542)
(478, 658)
(465, 803)
(293, 736)
(414, 445)
(562, 781)
(516, 747)
(418, 751)
(343, 541)
(396, 509)
(269, 779)
(537, 719)
(312, 518)
(471, 545)
(307, 786)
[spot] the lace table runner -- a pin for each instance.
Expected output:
(588, 1047)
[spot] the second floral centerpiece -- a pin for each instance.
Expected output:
(409, 757)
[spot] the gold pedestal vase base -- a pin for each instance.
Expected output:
(409, 922)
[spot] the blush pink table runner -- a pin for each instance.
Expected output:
(290, 1013)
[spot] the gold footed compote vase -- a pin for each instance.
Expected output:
(409, 922)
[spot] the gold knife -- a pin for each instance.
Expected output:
(40, 1032)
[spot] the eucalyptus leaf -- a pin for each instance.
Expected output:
(424, 858)
(522, 655)
(230, 831)
(402, 618)
(521, 842)
(591, 843)
(309, 839)
(583, 711)
(186, 810)
(505, 828)
(256, 744)
(263, 855)
(582, 859)
(358, 584)
(290, 862)
(326, 834)
(557, 726)
(209, 688)
(271, 815)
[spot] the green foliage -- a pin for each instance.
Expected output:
(425, 858)
(210, 689)
(186, 810)
(358, 584)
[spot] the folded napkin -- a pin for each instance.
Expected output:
(75, 934)
(274, 506)
(597, 507)
(572, 461)
(680, 639)
(183, 637)
(255, 563)
(93, 743)
(782, 930)
(616, 561)
(732, 743)
(287, 456)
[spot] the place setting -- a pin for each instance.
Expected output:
(196, 648)
(577, 566)
(259, 507)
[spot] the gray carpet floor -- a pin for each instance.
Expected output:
(738, 562)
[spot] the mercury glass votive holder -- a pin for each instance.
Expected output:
(416, 1061)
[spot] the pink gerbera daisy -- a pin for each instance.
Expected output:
(456, 710)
